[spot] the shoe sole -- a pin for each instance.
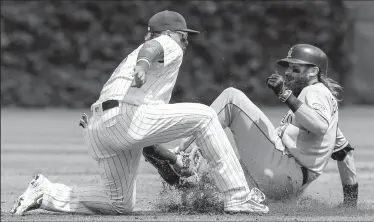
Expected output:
(246, 211)
(252, 208)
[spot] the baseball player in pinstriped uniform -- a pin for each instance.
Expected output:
(282, 161)
(125, 119)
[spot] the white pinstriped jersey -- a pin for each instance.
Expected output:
(160, 77)
(311, 150)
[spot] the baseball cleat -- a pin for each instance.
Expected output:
(257, 195)
(253, 205)
(32, 197)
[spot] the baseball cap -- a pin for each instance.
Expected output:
(168, 20)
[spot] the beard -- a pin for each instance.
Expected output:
(184, 47)
(297, 84)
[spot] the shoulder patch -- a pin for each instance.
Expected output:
(318, 106)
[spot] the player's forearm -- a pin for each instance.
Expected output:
(347, 170)
(311, 120)
(150, 52)
(307, 117)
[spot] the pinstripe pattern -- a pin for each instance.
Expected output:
(120, 81)
(87, 200)
(116, 137)
(161, 77)
(116, 193)
(118, 155)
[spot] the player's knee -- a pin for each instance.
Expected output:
(122, 207)
(210, 113)
(205, 112)
(233, 95)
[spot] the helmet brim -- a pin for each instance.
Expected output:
(286, 61)
(190, 31)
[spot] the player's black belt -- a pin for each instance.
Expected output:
(304, 170)
(109, 104)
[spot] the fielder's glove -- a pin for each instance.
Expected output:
(179, 174)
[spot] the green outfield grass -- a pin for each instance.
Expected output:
(50, 142)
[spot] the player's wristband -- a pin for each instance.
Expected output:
(148, 53)
(145, 60)
(284, 96)
(341, 154)
(350, 195)
(293, 102)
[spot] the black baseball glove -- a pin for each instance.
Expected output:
(180, 177)
(162, 165)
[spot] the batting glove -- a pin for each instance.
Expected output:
(276, 83)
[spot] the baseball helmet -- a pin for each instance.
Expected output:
(169, 20)
(307, 55)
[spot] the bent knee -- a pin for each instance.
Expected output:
(231, 90)
(124, 208)
(233, 94)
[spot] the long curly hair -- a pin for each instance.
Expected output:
(331, 84)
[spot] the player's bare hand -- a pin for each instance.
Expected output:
(139, 77)
(276, 83)
(83, 122)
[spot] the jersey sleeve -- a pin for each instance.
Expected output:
(172, 51)
(320, 103)
(341, 142)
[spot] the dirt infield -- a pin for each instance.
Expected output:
(50, 142)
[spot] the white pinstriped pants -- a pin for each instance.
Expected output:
(115, 139)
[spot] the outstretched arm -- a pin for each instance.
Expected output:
(347, 171)
(343, 154)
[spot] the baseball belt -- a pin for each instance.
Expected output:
(98, 109)
(109, 104)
